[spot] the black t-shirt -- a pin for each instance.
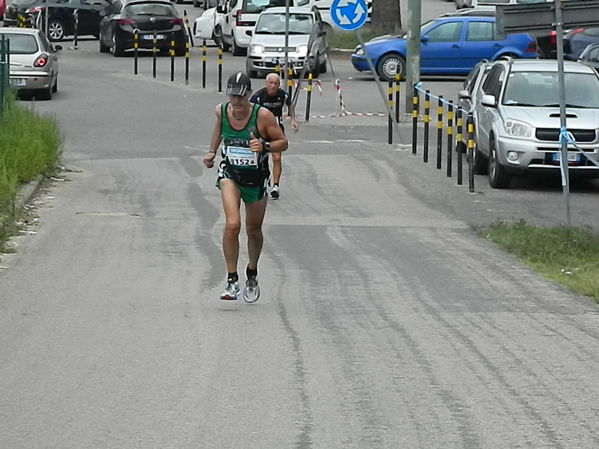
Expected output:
(274, 103)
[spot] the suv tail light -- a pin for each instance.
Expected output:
(126, 22)
(532, 47)
(177, 21)
(241, 23)
(553, 37)
(41, 61)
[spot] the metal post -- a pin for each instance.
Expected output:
(415, 110)
(562, 108)
(390, 108)
(75, 41)
(309, 97)
(289, 81)
(204, 64)
(427, 119)
(172, 59)
(470, 146)
(413, 47)
(154, 51)
(449, 137)
(135, 50)
(459, 144)
(439, 131)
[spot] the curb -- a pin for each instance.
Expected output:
(26, 192)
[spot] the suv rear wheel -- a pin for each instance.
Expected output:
(499, 178)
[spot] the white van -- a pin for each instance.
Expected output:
(240, 16)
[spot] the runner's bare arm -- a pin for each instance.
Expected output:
(214, 142)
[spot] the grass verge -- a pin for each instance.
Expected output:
(348, 40)
(29, 146)
(568, 256)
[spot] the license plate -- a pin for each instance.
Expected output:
(149, 37)
(18, 82)
(273, 61)
(572, 157)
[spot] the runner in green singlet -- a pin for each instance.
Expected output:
(247, 132)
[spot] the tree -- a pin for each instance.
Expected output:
(386, 16)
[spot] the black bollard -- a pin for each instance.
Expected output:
(470, 145)
(186, 20)
(415, 111)
(154, 51)
(449, 137)
(186, 62)
(309, 97)
(390, 109)
(220, 69)
(439, 131)
(135, 51)
(459, 144)
(172, 59)
(427, 119)
(397, 89)
(204, 64)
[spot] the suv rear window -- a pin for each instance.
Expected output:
(22, 44)
(150, 9)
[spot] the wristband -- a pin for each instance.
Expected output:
(265, 146)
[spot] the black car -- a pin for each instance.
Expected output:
(62, 21)
(150, 17)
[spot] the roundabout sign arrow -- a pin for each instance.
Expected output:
(349, 15)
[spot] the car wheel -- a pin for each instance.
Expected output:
(389, 65)
(117, 47)
(323, 66)
(56, 31)
(237, 50)
(480, 163)
(499, 178)
(103, 48)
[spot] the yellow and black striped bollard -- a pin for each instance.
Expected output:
(309, 97)
(154, 52)
(290, 82)
(426, 120)
(439, 131)
(397, 89)
(186, 20)
(459, 143)
(186, 62)
(470, 146)
(389, 114)
(204, 64)
(415, 111)
(135, 51)
(449, 137)
(220, 69)
(172, 51)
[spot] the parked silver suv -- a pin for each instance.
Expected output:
(515, 105)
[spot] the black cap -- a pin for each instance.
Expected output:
(239, 84)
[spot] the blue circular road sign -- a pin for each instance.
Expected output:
(349, 14)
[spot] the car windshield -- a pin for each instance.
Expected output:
(150, 9)
(259, 5)
(541, 89)
(21, 44)
(275, 24)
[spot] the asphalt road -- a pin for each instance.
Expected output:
(384, 321)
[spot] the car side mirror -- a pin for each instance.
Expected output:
(488, 100)
(249, 32)
(425, 39)
(464, 95)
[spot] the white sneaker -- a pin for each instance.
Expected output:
(230, 292)
(274, 192)
(251, 292)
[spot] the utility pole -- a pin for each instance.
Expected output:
(413, 61)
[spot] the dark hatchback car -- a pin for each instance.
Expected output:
(157, 18)
(61, 20)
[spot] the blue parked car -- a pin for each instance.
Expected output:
(450, 46)
(577, 40)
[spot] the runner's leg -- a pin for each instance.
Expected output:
(231, 198)
(254, 217)
(277, 167)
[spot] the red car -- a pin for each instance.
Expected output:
(2, 8)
